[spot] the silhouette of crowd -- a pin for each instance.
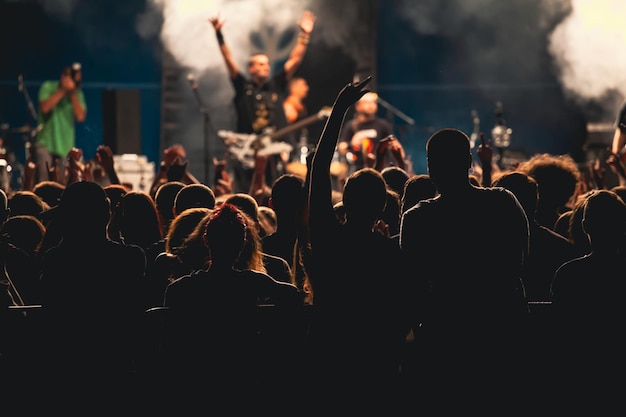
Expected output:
(442, 291)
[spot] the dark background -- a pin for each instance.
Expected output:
(433, 77)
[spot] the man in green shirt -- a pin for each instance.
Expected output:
(61, 105)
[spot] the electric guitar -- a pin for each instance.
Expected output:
(243, 146)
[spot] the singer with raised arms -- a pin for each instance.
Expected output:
(259, 96)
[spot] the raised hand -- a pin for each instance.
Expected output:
(171, 154)
(598, 173)
(485, 152)
(614, 162)
(75, 165)
(223, 183)
(104, 156)
(216, 22)
(307, 21)
(53, 174)
(485, 155)
(67, 83)
(177, 170)
(351, 93)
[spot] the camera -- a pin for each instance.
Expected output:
(75, 68)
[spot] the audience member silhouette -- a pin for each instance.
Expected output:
(390, 219)
(191, 255)
(90, 292)
(569, 224)
(26, 202)
(620, 190)
(115, 192)
(5, 211)
(290, 240)
(140, 225)
(277, 267)
(358, 326)
(587, 285)
(164, 199)
(417, 188)
(395, 178)
(19, 343)
(587, 301)
(21, 237)
(212, 341)
(25, 232)
(557, 177)
(467, 247)
(49, 191)
(267, 220)
(547, 249)
(183, 225)
(194, 195)
(167, 264)
(139, 220)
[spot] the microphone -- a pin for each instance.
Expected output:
(20, 83)
(192, 81)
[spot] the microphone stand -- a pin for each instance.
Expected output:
(205, 118)
(33, 114)
(395, 111)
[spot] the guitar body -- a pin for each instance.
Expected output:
(244, 146)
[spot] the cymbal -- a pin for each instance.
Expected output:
(337, 169)
(297, 168)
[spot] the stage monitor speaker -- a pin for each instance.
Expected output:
(121, 120)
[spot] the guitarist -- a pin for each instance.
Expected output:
(361, 135)
(294, 106)
(259, 97)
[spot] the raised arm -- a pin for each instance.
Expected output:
(320, 196)
(67, 87)
(104, 156)
(306, 24)
(485, 155)
(619, 136)
(231, 65)
(392, 145)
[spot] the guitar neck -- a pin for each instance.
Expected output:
(298, 125)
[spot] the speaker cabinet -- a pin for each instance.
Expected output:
(121, 121)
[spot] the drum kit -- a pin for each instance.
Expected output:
(8, 161)
(298, 166)
(10, 167)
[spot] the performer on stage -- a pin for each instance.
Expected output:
(61, 105)
(361, 135)
(259, 99)
(618, 145)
